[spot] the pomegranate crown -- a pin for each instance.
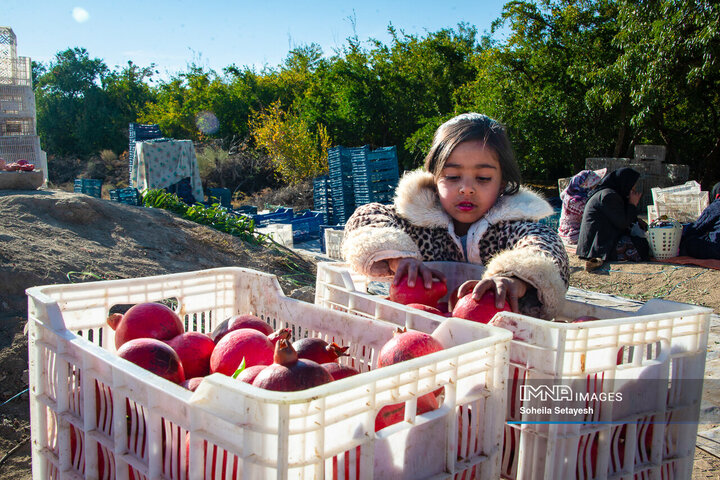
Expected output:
(285, 353)
(337, 350)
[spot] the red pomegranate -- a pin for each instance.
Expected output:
(245, 343)
(194, 350)
(338, 371)
(425, 308)
(148, 320)
(405, 345)
(318, 350)
(237, 322)
(248, 375)
(155, 356)
(289, 373)
(482, 311)
(192, 383)
(403, 293)
(392, 414)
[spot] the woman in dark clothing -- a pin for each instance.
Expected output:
(608, 216)
(701, 239)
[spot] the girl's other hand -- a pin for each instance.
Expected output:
(412, 267)
(505, 288)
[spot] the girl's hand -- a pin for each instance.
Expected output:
(411, 267)
(505, 288)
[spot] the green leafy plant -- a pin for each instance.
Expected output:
(214, 216)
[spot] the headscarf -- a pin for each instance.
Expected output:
(581, 185)
(621, 181)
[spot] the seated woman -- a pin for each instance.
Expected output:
(608, 217)
(701, 239)
(574, 198)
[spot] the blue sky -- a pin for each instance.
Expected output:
(218, 33)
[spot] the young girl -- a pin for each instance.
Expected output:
(466, 205)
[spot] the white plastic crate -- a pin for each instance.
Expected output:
(653, 352)
(126, 421)
(683, 202)
(333, 243)
(16, 101)
(280, 232)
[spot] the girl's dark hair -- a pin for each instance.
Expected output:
(474, 126)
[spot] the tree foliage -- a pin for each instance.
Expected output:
(569, 78)
(297, 151)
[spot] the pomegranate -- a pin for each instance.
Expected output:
(405, 345)
(426, 308)
(192, 383)
(237, 322)
(194, 350)
(245, 343)
(392, 414)
(289, 373)
(155, 356)
(585, 318)
(338, 371)
(114, 319)
(278, 334)
(148, 320)
(402, 293)
(248, 375)
(482, 311)
(318, 350)
(444, 307)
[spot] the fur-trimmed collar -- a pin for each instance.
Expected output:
(416, 199)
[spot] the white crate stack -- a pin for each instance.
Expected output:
(683, 203)
(654, 353)
(18, 135)
(95, 415)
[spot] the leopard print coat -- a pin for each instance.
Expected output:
(507, 240)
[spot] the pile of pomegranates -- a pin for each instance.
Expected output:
(19, 166)
(152, 336)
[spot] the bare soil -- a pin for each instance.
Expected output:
(51, 237)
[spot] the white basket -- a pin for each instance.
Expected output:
(665, 241)
(333, 243)
(128, 420)
(280, 232)
(661, 341)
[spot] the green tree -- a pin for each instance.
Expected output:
(297, 151)
(537, 81)
(669, 54)
(72, 107)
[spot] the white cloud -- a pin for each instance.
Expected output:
(80, 15)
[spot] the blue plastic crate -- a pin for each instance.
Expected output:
(221, 196)
(552, 221)
(307, 226)
(281, 215)
(88, 186)
(129, 196)
(137, 132)
(249, 209)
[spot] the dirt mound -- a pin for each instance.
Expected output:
(51, 237)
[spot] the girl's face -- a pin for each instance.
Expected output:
(469, 183)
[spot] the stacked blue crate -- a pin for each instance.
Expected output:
(322, 198)
(137, 132)
(375, 174)
(341, 182)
